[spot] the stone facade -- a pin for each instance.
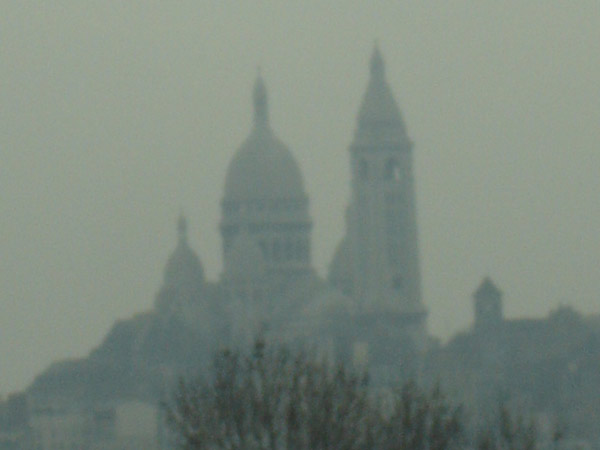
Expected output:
(369, 311)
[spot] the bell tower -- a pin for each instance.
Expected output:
(382, 227)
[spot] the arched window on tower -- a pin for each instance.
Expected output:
(302, 250)
(289, 250)
(391, 171)
(276, 250)
(363, 170)
(298, 255)
(397, 282)
(263, 248)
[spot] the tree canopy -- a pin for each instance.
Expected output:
(273, 398)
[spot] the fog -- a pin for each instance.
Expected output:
(114, 116)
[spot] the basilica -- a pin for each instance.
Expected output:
(371, 302)
(368, 311)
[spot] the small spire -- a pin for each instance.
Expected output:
(377, 63)
(261, 109)
(182, 227)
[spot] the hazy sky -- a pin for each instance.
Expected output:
(114, 115)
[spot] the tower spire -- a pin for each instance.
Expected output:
(379, 110)
(182, 227)
(377, 63)
(261, 107)
(383, 235)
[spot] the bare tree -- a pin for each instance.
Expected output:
(514, 432)
(421, 420)
(273, 398)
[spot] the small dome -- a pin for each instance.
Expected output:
(183, 266)
(246, 259)
(487, 289)
(263, 167)
(488, 305)
(378, 108)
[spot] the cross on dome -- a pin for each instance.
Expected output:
(182, 227)
(261, 107)
(377, 62)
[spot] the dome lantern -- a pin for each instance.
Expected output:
(182, 228)
(261, 106)
(377, 63)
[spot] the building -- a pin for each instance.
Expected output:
(547, 368)
(368, 311)
(377, 262)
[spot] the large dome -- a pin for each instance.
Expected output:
(263, 168)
